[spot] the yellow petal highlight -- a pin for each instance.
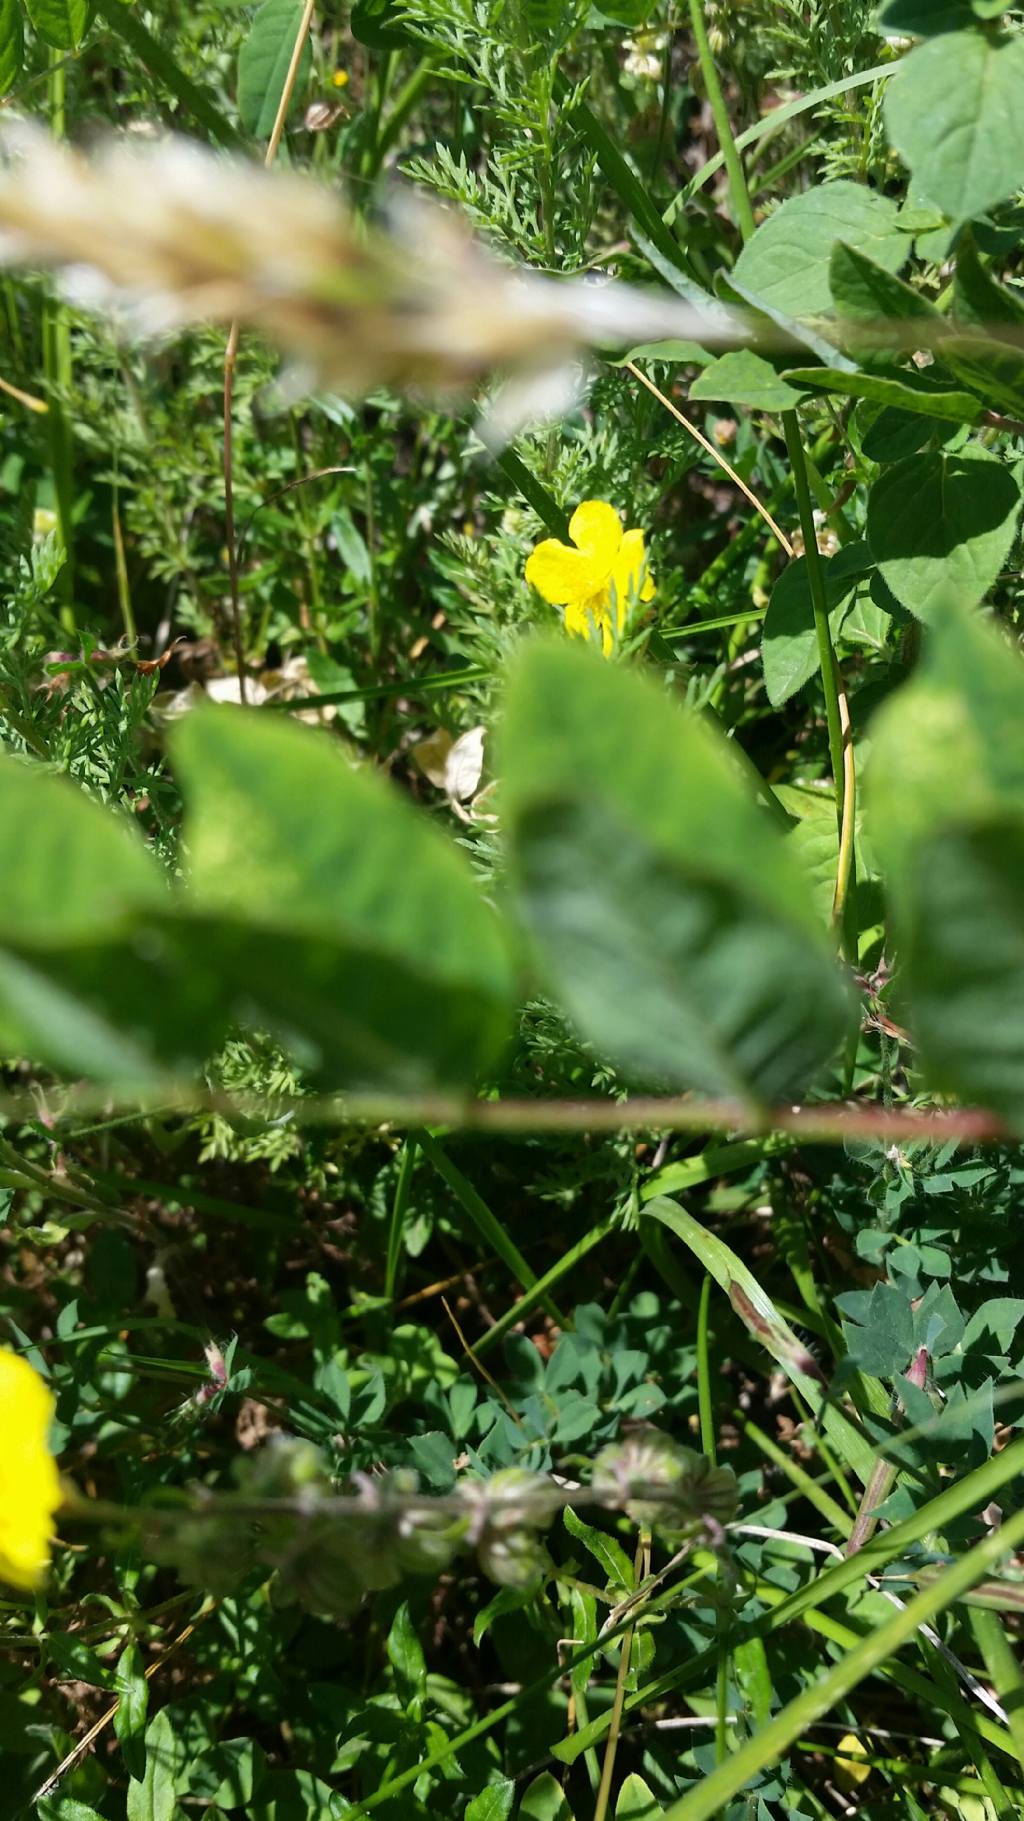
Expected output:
(29, 1482)
(561, 575)
(595, 527)
(629, 567)
(848, 1772)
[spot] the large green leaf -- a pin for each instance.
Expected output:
(953, 111)
(786, 263)
(80, 867)
(990, 361)
(263, 64)
(87, 981)
(335, 910)
(12, 44)
(948, 748)
(63, 23)
(940, 527)
(789, 642)
(544, 1800)
(664, 910)
(963, 956)
(945, 802)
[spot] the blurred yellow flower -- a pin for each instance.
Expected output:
(29, 1482)
(340, 79)
(599, 580)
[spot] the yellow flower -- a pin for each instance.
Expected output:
(599, 581)
(341, 79)
(29, 1482)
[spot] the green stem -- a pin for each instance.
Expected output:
(707, 1415)
(723, 127)
(819, 604)
(398, 1212)
(1003, 1668)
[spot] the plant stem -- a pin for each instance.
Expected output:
(707, 1415)
(819, 604)
(723, 127)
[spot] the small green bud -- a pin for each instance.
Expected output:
(692, 1491)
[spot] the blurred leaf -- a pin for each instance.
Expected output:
(923, 18)
(378, 24)
(787, 261)
(263, 64)
(663, 908)
(335, 910)
(12, 44)
(953, 113)
(63, 23)
(992, 360)
(940, 527)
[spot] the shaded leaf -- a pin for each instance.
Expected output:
(544, 1800)
(636, 1802)
(493, 1803)
(789, 642)
(940, 527)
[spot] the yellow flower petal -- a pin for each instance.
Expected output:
(561, 575)
(629, 567)
(595, 527)
(29, 1481)
(849, 1772)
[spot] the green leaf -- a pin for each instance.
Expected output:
(335, 910)
(86, 984)
(908, 393)
(953, 113)
(940, 527)
(545, 1801)
(946, 810)
(12, 44)
(924, 18)
(610, 1554)
(63, 23)
(153, 1799)
(81, 868)
(865, 292)
(889, 433)
(296, 1795)
(763, 1321)
(132, 1707)
(493, 1803)
(377, 23)
(992, 361)
(687, 353)
(787, 261)
(263, 64)
(744, 378)
(65, 1808)
(405, 1654)
(228, 1774)
(664, 910)
(637, 1802)
(789, 643)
